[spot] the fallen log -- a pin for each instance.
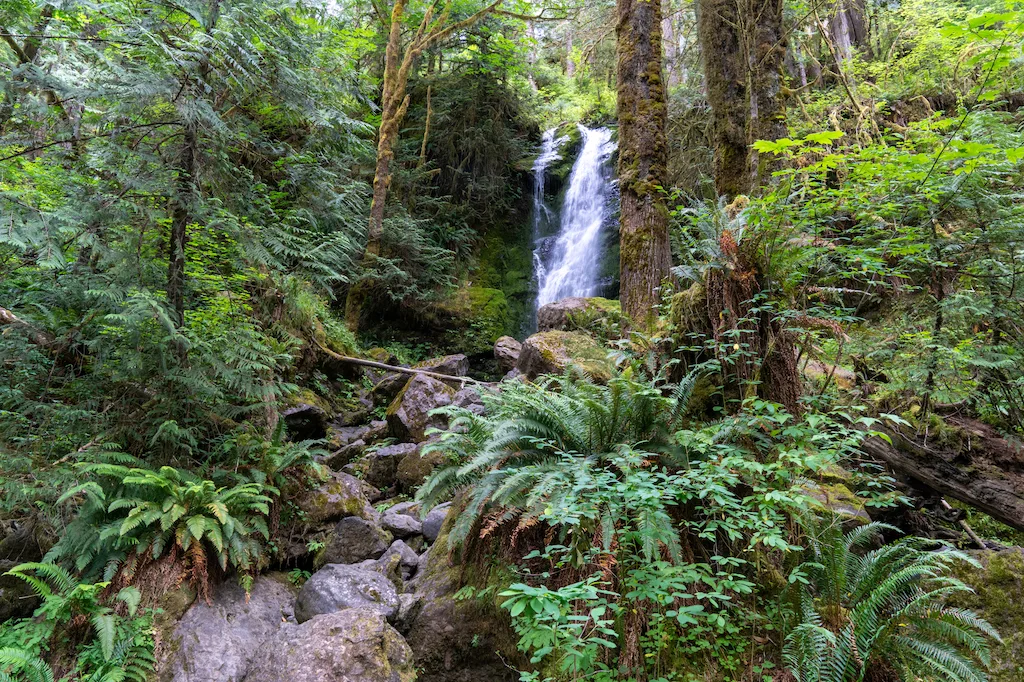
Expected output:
(403, 370)
(36, 335)
(979, 475)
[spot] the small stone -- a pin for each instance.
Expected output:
(408, 560)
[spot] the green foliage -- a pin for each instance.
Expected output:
(138, 515)
(881, 611)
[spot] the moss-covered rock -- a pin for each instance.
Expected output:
(998, 586)
(474, 318)
(577, 313)
(415, 468)
(836, 498)
(409, 417)
(555, 351)
(339, 496)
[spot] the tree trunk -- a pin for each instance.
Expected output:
(725, 69)
(769, 54)
(645, 256)
(180, 219)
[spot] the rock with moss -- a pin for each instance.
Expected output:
(354, 539)
(456, 365)
(306, 415)
(836, 498)
(380, 466)
(554, 351)
(217, 641)
(998, 586)
(415, 468)
(409, 416)
(339, 496)
(506, 353)
(354, 645)
(457, 640)
(577, 313)
(474, 318)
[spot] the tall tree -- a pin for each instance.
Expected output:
(743, 46)
(398, 65)
(645, 256)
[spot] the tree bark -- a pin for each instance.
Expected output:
(769, 54)
(645, 255)
(725, 72)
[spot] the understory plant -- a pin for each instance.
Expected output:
(879, 613)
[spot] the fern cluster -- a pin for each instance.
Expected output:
(882, 610)
(132, 516)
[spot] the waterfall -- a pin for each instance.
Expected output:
(542, 213)
(571, 267)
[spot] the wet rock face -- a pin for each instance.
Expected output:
(554, 351)
(354, 645)
(217, 642)
(409, 414)
(506, 352)
(355, 539)
(336, 587)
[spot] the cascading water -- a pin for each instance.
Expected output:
(542, 213)
(571, 266)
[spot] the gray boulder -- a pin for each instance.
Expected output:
(415, 467)
(401, 525)
(345, 454)
(553, 352)
(354, 645)
(434, 520)
(336, 587)
(506, 352)
(217, 642)
(408, 415)
(355, 539)
(380, 466)
(452, 365)
(408, 560)
(305, 421)
(385, 390)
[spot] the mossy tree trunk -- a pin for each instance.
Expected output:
(743, 43)
(398, 64)
(718, 29)
(645, 255)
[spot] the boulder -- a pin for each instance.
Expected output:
(408, 560)
(344, 435)
(408, 415)
(407, 508)
(355, 413)
(401, 525)
(305, 421)
(456, 640)
(552, 352)
(415, 467)
(838, 499)
(217, 642)
(336, 587)
(998, 586)
(345, 455)
(506, 352)
(385, 390)
(452, 365)
(355, 539)
(469, 398)
(339, 496)
(354, 645)
(380, 466)
(575, 312)
(434, 520)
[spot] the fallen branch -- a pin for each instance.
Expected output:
(36, 335)
(403, 370)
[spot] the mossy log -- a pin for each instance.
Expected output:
(985, 471)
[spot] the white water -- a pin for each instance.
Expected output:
(572, 265)
(542, 213)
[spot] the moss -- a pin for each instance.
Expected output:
(559, 349)
(837, 499)
(477, 316)
(998, 586)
